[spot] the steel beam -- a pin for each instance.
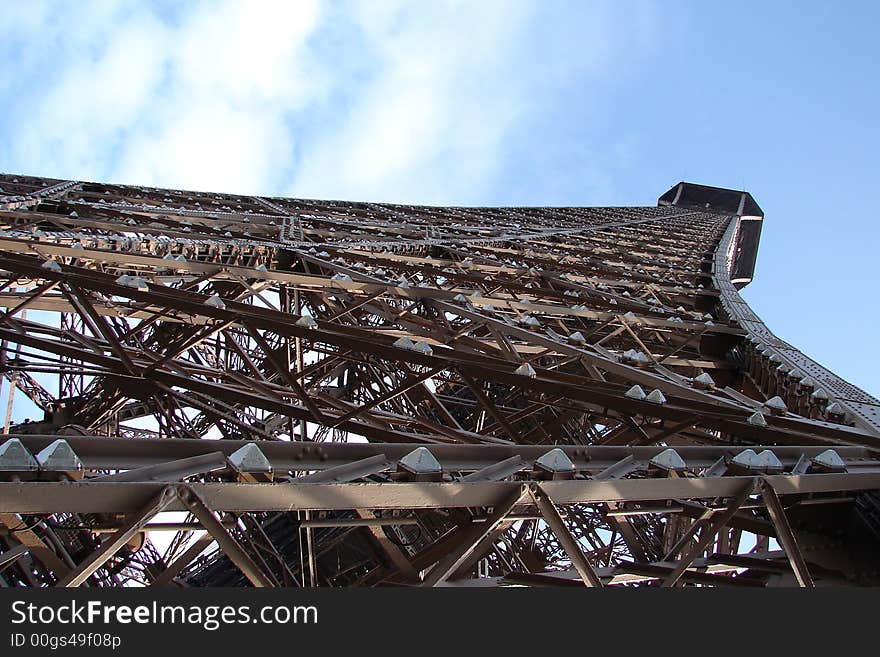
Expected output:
(708, 534)
(785, 535)
(571, 546)
(194, 503)
(345, 337)
(84, 497)
(470, 538)
(119, 538)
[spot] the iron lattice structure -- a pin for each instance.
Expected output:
(355, 394)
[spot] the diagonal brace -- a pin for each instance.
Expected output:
(471, 537)
(224, 539)
(133, 524)
(566, 540)
(708, 534)
(785, 535)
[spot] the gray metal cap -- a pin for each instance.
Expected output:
(14, 457)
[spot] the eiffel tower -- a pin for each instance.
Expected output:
(208, 389)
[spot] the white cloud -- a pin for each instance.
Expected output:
(429, 128)
(245, 53)
(390, 100)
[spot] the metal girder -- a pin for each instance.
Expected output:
(9, 556)
(347, 471)
(395, 371)
(108, 497)
(119, 538)
(569, 543)
(37, 547)
(195, 505)
(785, 535)
(170, 470)
(166, 577)
(707, 535)
(469, 539)
(98, 453)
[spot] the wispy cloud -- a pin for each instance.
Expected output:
(397, 101)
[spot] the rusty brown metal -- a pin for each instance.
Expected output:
(362, 390)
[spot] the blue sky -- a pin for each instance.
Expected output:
(507, 102)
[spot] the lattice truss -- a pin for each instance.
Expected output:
(311, 393)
